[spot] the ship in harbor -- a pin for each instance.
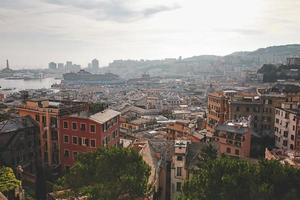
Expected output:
(84, 77)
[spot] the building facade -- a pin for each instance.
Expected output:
(287, 127)
(81, 133)
(47, 114)
(234, 138)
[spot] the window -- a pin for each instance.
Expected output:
(44, 120)
(80, 141)
(237, 152)
(37, 118)
(178, 186)
(285, 143)
(93, 143)
(285, 134)
(179, 171)
(92, 128)
(66, 153)
(228, 150)
(292, 137)
(75, 140)
(82, 127)
(291, 146)
(74, 125)
(104, 142)
(87, 142)
(104, 127)
(237, 108)
(66, 139)
(179, 158)
(75, 154)
(66, 125)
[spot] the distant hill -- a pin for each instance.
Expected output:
(204, 64)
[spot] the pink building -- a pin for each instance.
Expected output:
(233, 138)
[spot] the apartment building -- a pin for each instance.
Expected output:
(287, 127)
(226, 105)
(186, 158)
(178, 170)
(82, 132)
(234, 138)
(47, 114)
(217, 107)
(178, 129)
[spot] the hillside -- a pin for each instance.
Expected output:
(204, 64)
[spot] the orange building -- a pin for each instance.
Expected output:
(48, 113)
(178, 129)
(233, 138)
(217, 109)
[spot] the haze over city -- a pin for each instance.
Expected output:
(35, 32)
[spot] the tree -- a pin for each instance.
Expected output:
(8, 181)
(209, 152)
(109, 173)
(97, 107)
(229, 178)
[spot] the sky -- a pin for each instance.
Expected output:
(36, 32)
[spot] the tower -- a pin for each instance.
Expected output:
(7, 64)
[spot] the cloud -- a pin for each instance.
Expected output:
(242, 31)
(115, 10)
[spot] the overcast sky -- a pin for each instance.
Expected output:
(35, 32)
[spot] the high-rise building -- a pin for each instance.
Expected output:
(95, 64)
(61, 66)
(75, 68)
(69, 66)
(52, 65)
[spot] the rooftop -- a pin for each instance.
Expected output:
(234, 127)
(16, 124)
(104, 116)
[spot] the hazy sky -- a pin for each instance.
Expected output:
(35, 32)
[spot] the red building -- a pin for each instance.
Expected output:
(82, 133)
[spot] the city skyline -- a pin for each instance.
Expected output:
(34, 33)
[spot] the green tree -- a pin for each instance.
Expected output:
(8, 181)
(229, 178)
(109, 173)
(97, 107)
(209, 152)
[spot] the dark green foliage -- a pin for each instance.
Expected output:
(107, 174)
(226, 178)
(272, 73)
(209, 152)
(259, 144)
(97, 107)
